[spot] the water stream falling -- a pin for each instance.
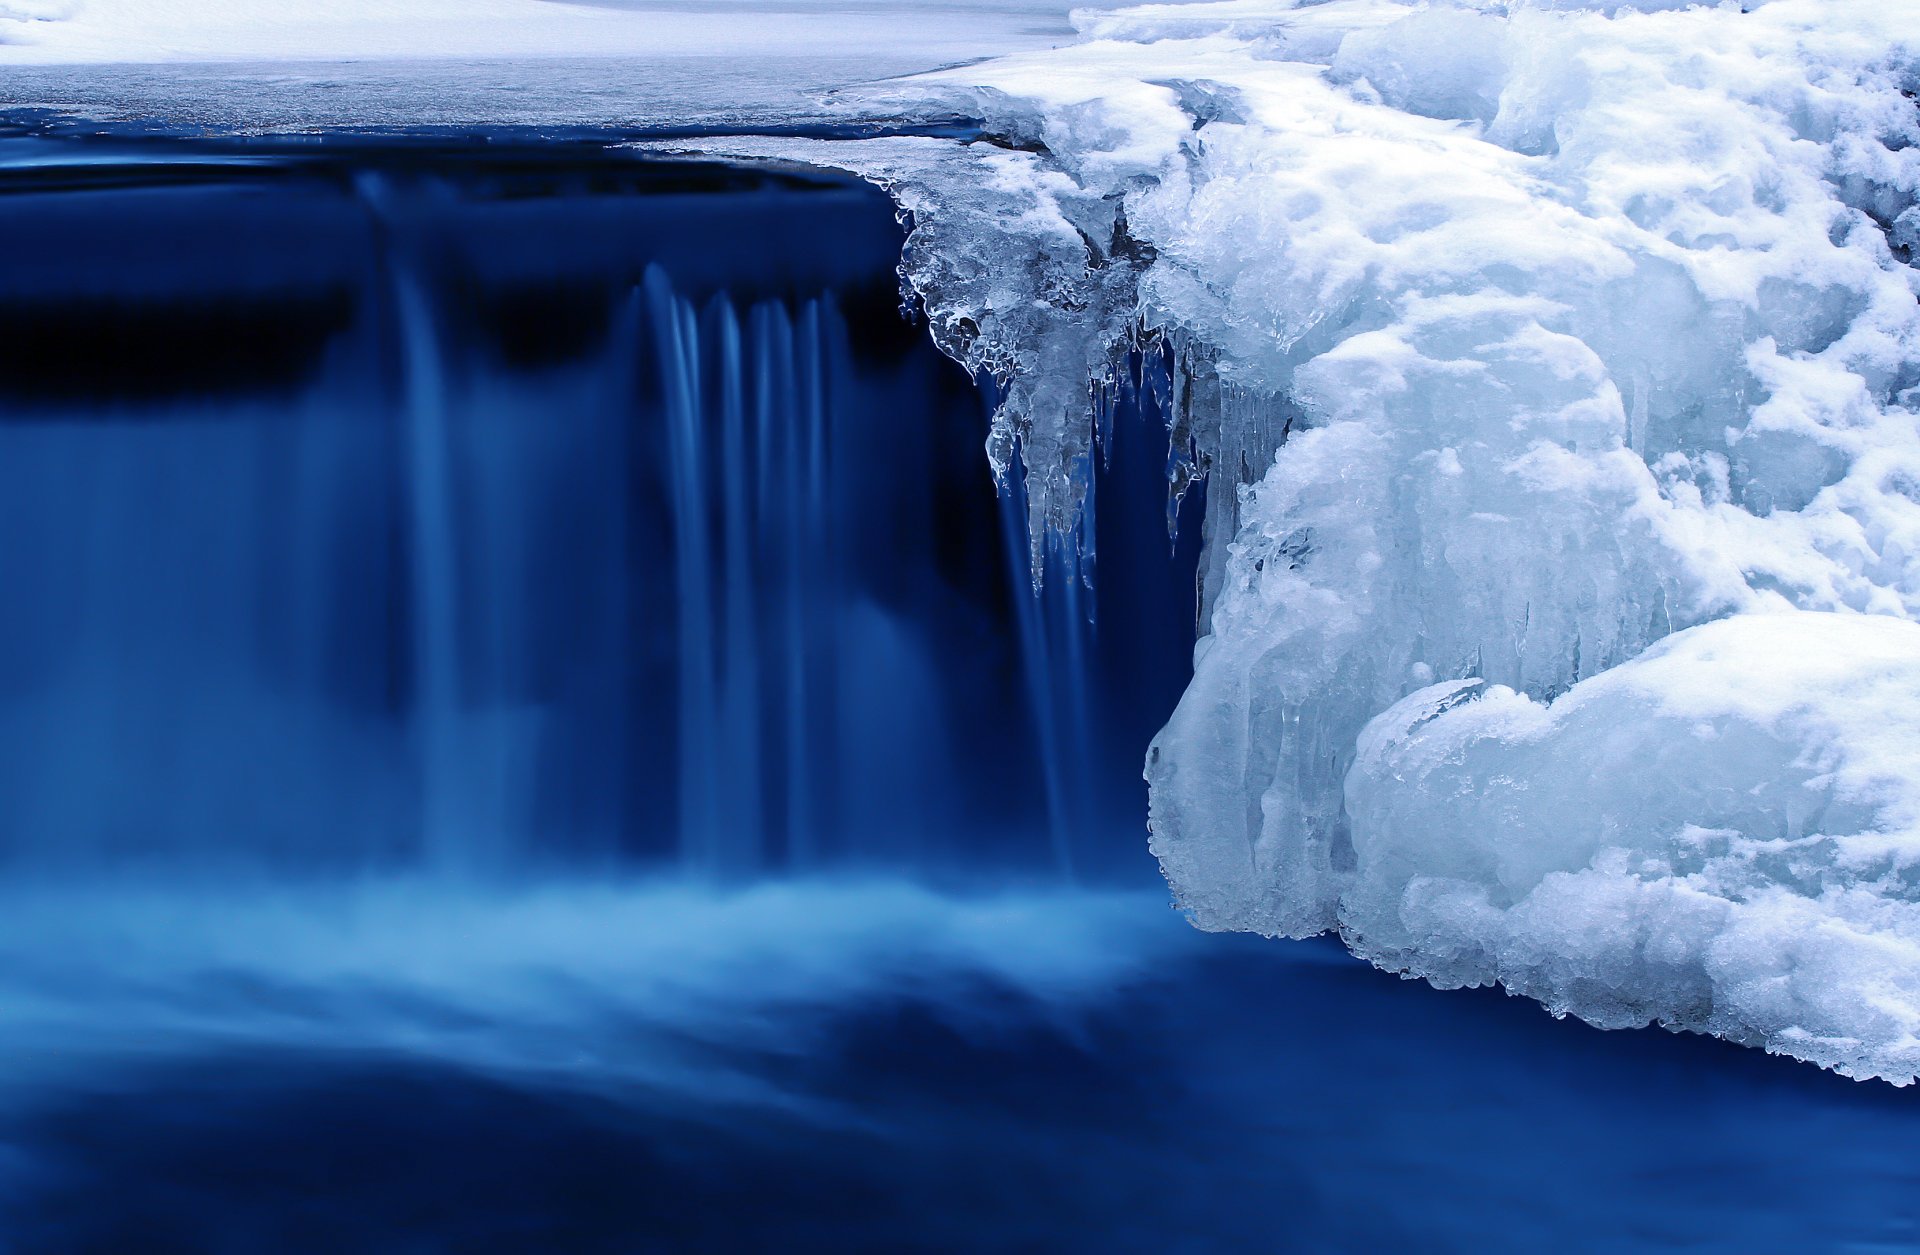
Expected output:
(566, 513)
(750, 707)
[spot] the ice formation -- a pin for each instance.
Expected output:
(1718, 834)
(1572, 328)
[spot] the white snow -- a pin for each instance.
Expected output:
(1722, 834)
(251, 66)
(1571, 327)
(160, 31)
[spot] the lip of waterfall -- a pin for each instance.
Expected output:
(594, 98)
(614, 516)
(76, 143)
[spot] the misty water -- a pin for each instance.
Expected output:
(525, 724)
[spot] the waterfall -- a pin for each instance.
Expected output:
(447, 823)
(677, 337)
(543, 549)
(749, 463)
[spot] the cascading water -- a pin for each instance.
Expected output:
(754, 560)
(577, 602)
(571, 514)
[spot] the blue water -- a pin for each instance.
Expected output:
(1060, 1073)
(485, 507)
(524, 726)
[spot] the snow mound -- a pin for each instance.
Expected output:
(1515, 338)
(1722, 834)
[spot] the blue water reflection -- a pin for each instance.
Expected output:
(838, 1067)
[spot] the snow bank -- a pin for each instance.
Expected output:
(1571, 327)
(1722, 834)
(63, 32)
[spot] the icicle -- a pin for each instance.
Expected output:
(1084, 539)
(1104, 393)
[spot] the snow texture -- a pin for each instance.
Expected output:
(1529, 336)
(728, 35)
(1718, 834)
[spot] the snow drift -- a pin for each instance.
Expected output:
(1516, 338)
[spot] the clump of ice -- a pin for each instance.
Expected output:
(1530, 335)
(1722, 834)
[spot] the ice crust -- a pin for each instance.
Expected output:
(1586, 338)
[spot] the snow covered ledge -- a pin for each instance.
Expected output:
(1581, 326)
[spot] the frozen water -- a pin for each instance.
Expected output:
(1719, 835)
(1580, 326)
(278, 65)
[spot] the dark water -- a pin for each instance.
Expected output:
(472, 508)
(1233, 1096)
(524, 727)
